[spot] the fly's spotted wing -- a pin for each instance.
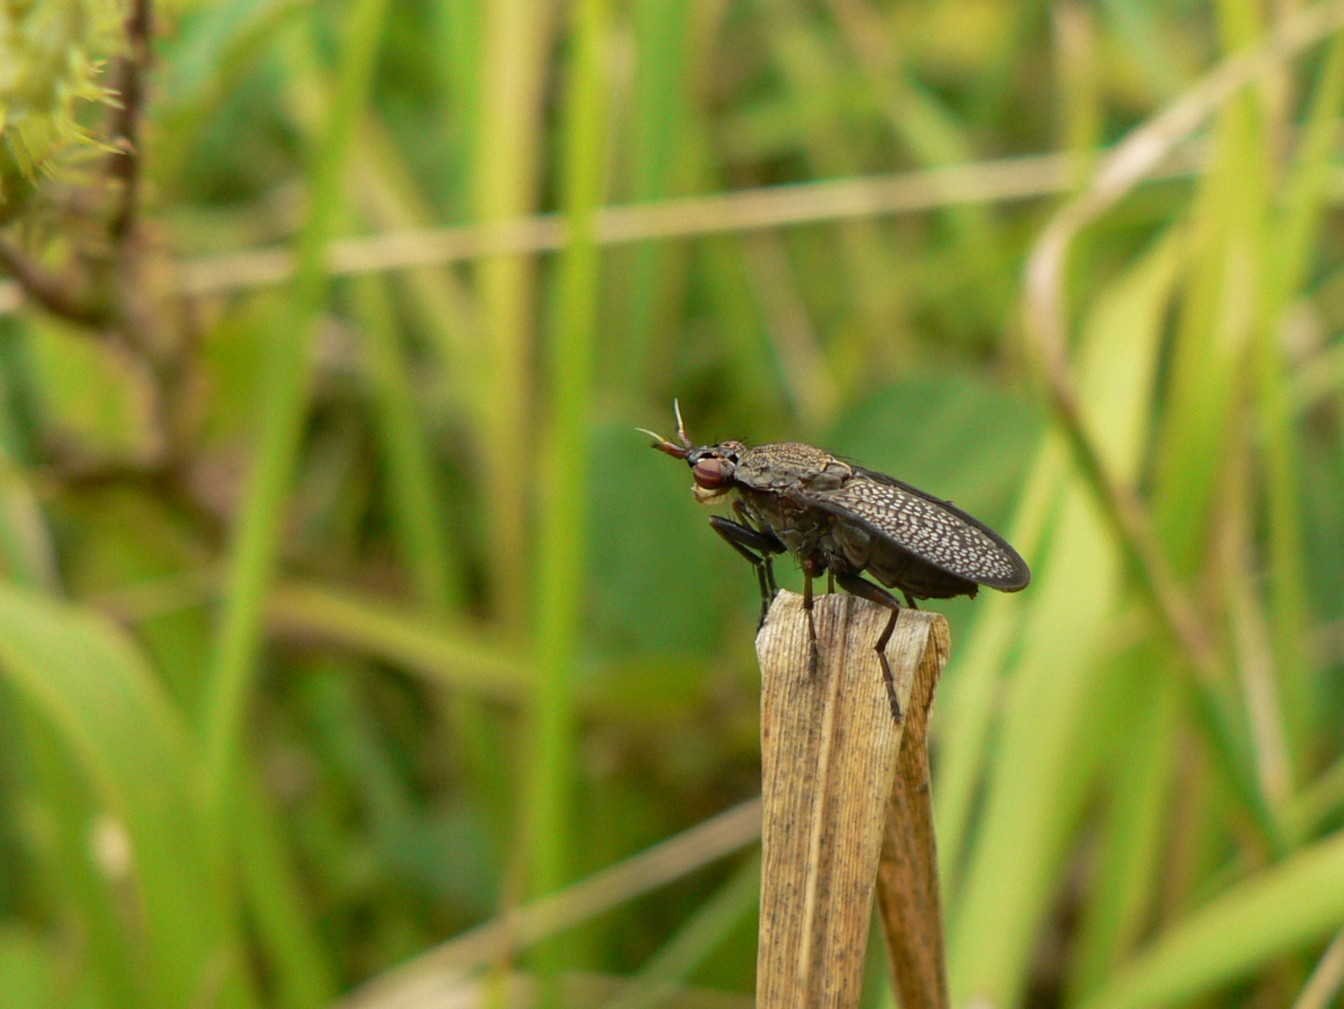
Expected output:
(928, 527)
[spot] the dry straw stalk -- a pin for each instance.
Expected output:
(846, 791)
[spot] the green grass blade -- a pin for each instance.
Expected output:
(660, 118)
(1286, 908)
(1305, 201)
(300, 966)
(1134, 828)
(561, 531)
(508, 150)
(284, 397)
(111, 714)
(415, 504)
(1061, 680)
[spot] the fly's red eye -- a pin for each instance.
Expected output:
(711, 474)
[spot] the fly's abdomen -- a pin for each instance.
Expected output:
(864, 550)
(910, 534)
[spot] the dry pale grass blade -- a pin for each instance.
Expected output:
(908, 897)
(1327, 980)
(445, 966)
(574, 990)
(689, 217)
(830, 752)
(1135, 159)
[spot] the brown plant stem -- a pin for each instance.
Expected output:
(830, 753)
(124, 165)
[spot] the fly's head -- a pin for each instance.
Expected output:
(712, 466)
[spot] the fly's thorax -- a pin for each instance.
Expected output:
(787, 466)
(803, 529)
(777, 483)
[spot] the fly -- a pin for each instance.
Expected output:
(849, 521)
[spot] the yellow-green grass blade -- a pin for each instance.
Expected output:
(1062, 679)
(90, 682)
(1283, 909)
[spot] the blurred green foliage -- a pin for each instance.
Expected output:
(344, 608)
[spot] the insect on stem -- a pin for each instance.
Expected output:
(847, 521)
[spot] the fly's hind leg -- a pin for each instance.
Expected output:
(757, 546)
(865, 589)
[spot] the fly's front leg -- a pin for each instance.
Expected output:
(865, 589)
(756, 546)
(750, 522)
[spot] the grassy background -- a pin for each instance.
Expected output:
(350, 612)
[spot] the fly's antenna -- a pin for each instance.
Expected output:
(681, 425)
(663, 445)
